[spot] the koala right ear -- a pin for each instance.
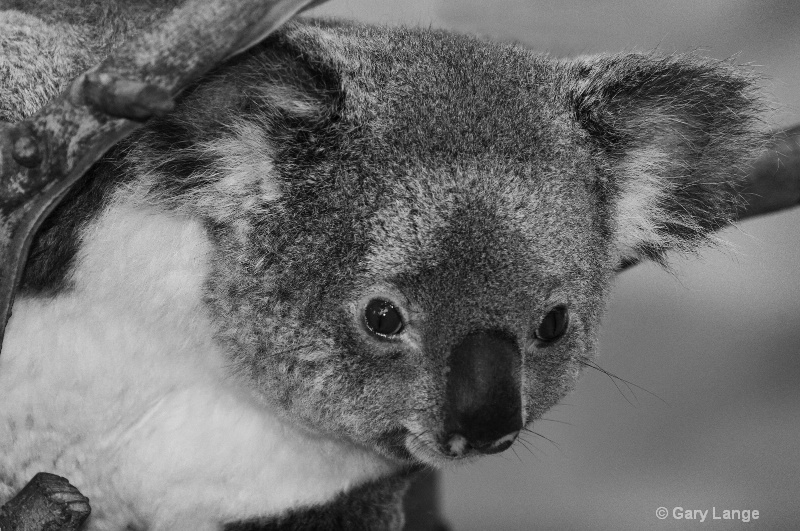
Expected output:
(678, 133)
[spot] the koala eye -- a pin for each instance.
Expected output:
(553, 325)
(382, 318)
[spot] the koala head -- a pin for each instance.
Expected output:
(415, 231)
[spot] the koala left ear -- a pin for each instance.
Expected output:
(678, 133)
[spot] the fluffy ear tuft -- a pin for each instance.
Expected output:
(678, 133)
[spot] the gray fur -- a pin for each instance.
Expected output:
(475, 184)
(476, 180)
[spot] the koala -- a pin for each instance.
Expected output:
(350, 254)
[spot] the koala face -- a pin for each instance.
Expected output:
(450, 323)
(414, 231)
(486, 331)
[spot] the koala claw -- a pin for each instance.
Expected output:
(48, 502)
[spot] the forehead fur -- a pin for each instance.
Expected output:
(452, 151)
(443, 111)
(456, 125)
(336, 156)
(441, 97)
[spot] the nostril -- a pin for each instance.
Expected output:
(457, 445)
(502, 444)
(507, 438)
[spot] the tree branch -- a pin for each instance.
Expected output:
(774, 182)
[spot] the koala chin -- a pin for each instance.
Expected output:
(350, 251)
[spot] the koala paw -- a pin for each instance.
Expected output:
(47, 503)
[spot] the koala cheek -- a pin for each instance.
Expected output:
(483, 406)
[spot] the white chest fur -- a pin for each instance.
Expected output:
(119, 386)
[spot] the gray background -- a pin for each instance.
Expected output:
(718, 340)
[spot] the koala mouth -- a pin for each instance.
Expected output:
(403, 445)
(458, 447)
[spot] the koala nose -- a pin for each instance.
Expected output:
(483, 409)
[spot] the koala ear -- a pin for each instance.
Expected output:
(677, 133)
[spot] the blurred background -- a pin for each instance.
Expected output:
(713, 347)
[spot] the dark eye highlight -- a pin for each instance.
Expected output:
(553, 325)
(382, 318)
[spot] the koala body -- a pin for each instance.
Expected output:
(350, 251)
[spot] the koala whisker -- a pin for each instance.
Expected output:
(418, 438)
(516, 454)
(614, 378)
(527, 445)
(551, 441)
(555, 420)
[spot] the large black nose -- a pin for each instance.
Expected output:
(483, 408)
